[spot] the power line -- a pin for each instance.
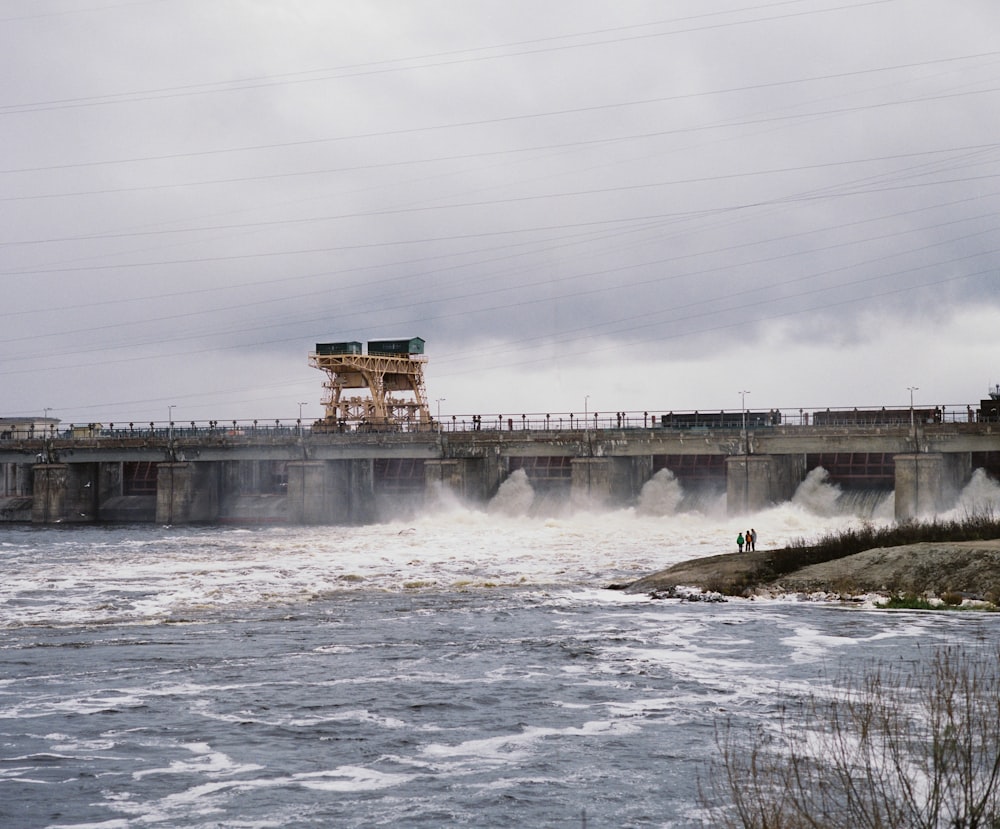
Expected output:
(435, 60)
(505, 119)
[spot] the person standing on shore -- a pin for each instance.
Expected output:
(739, 542)
(752, 539)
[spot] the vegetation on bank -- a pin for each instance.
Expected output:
(767, 567)
(888, 747)
(978, 527)
(744, 574)
(910, 601)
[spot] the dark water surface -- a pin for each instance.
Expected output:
(201, 680)
(501, 708)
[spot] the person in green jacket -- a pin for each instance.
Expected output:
(739, 541)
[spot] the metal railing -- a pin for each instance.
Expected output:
(706, 420)
(547, 422)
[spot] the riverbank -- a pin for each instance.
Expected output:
(950, 570)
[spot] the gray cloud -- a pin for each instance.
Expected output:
(654, 207)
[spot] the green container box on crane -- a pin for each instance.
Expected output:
(396, 348)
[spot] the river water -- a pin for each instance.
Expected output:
(454, 667)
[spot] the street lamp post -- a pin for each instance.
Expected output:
(912, 389)
(586, 400)
(743, 398)
(439, 401)
(743, 406)
(300, 417)
(170, 422)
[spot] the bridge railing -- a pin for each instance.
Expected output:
(160, 430)
(702, 419)
(277, 429)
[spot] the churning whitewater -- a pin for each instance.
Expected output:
(455, 666)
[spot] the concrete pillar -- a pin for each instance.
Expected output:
(110, 477)
(307, 492)
(929, 483)
(331, 492)
(608, 480)
(356, 478)
(16, 482)
(590, 481)
(187, 492)
(64, 493)
(466, 477)
(15, 479)
(25, 478)
(755, 482)
(640, 470)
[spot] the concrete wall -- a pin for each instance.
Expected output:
(65, 493)
(331, 492)
(755, 482)
(609, 480)
(16, 479)
(929, 483)
(251, 493)
(468, 478)
(187, 493)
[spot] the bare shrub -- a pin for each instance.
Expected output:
(891, 748)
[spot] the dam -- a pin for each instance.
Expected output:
(256, 472)
(378, 452)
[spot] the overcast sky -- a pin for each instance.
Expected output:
(637, 205)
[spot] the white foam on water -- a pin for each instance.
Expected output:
(42, 706)
(350, 779)
(979, 497)
(154, 574)
(817, 494)
(504, 783)
(514, 497)
(661, 495)
(512, 749)
(206, 761)
(809, 644)
(76, 746)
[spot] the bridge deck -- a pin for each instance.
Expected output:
(291, 444)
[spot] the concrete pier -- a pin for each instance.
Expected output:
(465, 477)
(755, 482)
(187, 493)
(609, 481)
(928, 483)
(65, 493)
(331, 492)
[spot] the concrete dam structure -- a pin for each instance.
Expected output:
(255, 474)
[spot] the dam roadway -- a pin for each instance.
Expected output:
(253, 473)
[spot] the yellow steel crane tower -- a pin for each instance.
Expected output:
(390, 368)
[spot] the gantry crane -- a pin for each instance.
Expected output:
(389, 369)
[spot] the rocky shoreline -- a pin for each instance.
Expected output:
(968, 570)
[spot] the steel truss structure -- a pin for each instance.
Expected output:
(383, 377)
